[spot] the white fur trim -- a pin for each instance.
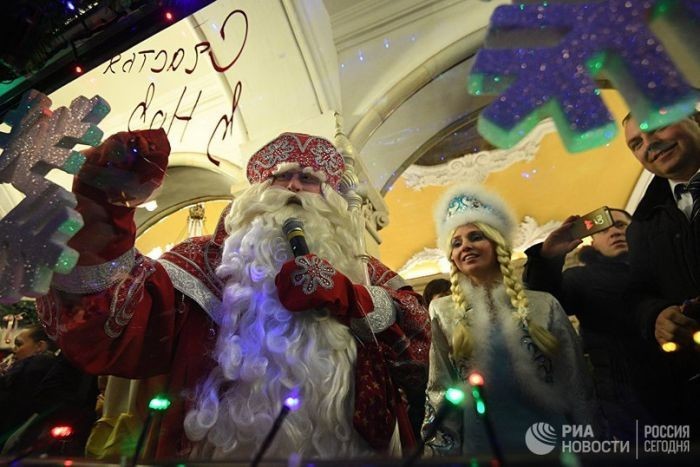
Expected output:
(493, 211)
(287, 166)
(490, 309)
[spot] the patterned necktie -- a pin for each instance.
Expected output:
(679, 190)
(693, 188)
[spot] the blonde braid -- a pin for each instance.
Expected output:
(455, 290)
(461, 339)
(544, 339)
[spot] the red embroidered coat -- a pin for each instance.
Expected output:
(135, 317)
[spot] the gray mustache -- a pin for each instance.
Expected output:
(659, 146)
(293, 200)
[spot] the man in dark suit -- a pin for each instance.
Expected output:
(664, 244)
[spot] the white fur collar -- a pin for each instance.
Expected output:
(489, 308)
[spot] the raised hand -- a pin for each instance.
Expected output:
(560, 241)
(127, 167)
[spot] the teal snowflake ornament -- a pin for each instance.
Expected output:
(605, 37)
(34, 234)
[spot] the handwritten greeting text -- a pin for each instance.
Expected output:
(146, 113)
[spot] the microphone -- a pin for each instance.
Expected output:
(293, 229)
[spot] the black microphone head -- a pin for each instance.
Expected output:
(292, 224)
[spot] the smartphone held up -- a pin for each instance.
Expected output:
(593, 222)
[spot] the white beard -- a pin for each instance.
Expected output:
(265, 353)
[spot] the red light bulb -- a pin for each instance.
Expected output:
(475, 379)
(61, 431)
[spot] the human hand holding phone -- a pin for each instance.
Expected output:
(591, 223)
(560, 241)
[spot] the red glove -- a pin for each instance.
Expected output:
(127, 167)
(308, 282)
(119, 174)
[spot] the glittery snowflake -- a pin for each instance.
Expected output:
(605, 37)
(34, 234)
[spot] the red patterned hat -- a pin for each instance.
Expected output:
(290, 151)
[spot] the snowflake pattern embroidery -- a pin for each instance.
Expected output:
(466, 203)
(312, 273)
(327, 157)
(34, 234)
(300, 149)
(275, 153)
(542, 362)
(557, 81)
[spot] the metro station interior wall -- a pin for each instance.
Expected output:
(552, 186)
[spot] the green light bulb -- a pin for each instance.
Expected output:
(480, 407)
(454, 395)
(159, 403)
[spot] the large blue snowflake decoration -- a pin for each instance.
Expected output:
(34, 234)
(677, 23)
(612, 37)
